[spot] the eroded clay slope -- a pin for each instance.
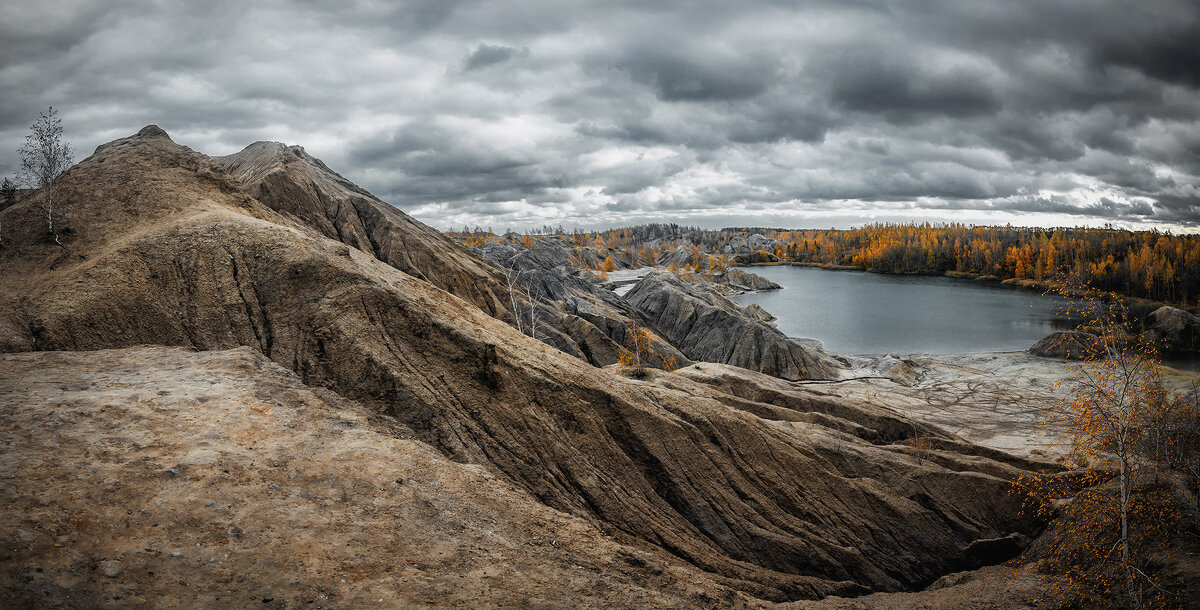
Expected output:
(289, 180)
(782, 499)
(706, 326)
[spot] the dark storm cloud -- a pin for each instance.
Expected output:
(600, 113)
(905, 91)
(486, 55)
(692, 75)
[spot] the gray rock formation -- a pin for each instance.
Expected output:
(755, 311)
(594, 319)
(1067, 344)
(748, 246)
(707, 326)
(745, 281)
(1176, 329)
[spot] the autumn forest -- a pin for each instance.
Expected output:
(1154, 265)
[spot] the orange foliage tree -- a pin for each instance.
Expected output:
(1119, 513)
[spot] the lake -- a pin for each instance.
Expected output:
(869, 313)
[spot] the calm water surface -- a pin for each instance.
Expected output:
(869, 313)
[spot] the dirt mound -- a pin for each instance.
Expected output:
(781, 498)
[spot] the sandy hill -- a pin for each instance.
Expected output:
(763, 486)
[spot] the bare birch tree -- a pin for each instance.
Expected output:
(512, 276)
(44, 157)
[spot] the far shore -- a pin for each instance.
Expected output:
(1041, 286)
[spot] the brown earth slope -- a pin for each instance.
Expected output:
(779, 492)
(159, 476)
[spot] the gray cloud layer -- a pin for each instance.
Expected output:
(610, 113)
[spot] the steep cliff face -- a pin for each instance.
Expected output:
(707, 326)
(780, 493)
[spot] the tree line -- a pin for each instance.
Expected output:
(1156, 265)
(1150, 264)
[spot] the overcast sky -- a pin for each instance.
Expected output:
(717, 113)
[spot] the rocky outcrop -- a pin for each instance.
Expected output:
(900, 370)
(760, 488)
(545, 267)
(1067, 344)
(747, 247)
(594, 318)
(756, 312)
(1175, 329)
(708, 327)
(744, 281)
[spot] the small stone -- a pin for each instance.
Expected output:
(111, 568)
(177, 554)
(172, 473)
(24, 535)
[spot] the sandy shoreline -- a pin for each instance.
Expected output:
(997, 399)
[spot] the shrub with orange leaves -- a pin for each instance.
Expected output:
(670, 363)
(639, 349)
(920, 445)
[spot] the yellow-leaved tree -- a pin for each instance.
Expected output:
(1116, 507)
